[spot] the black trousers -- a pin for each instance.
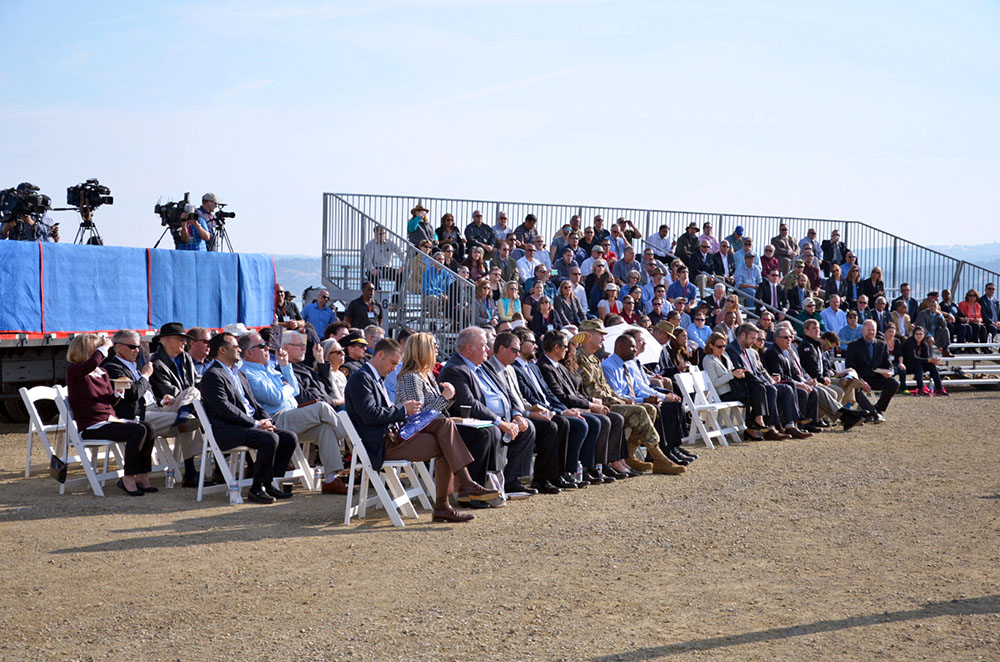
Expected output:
(551, 442)
(138, 438)
(616, 448)
(671, 425)
(484, 444)
(520, 450)
(274, 450)
(886, 385)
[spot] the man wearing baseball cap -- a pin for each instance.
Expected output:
(206, 215)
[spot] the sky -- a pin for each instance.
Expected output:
(885, 112)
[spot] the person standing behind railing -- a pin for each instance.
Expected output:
(418, 228)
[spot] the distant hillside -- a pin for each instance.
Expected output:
(297, 272)
(984, 255)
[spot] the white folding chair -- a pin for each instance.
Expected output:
(390, 492)
(231, 469)
(81, 447)
(730, 412)
(36, 428)
(704, 416)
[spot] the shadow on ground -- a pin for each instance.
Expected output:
(989, 604)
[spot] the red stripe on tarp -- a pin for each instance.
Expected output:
(41, 282)
(149, 289)
(274, 289)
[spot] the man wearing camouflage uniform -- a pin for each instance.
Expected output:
(639, 417)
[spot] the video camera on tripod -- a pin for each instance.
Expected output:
(20, 210)
(87, 197)
(174, 214)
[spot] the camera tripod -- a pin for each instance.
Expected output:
(220, 243)
(87, 233)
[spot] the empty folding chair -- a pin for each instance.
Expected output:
(704, 417)
(729, 414)
(36, 428)
(390, 492)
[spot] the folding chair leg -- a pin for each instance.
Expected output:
(384, 495)
(398, 492)
(89, 470)
(350, 491)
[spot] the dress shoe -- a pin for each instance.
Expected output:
(335, 486)
(812, 428)
(797, 433)
(680, 452)
(272, 491)
(477, 492)
(611, 472)
(148, 490)
(516, 486)
(449, 514)
(684, 451)
(188, 424)
(564, 482)
(823, 425)
(258, 496)
(849, 419)
(677, 458)
(597, 477)
(878, 418)
(639, 465)
(121, 486)
(753, 435)
(546, 487)
(469, 503)
(667, 468)
(774, 435)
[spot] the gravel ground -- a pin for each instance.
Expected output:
(878, 544)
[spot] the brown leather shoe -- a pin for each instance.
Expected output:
(798, 434)
(774, 435)
(477, 492)
(336, 486)
(449, 514)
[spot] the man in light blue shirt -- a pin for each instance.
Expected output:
(851, 331)
(741, 254)
(319, 313)
(698, 331)
(748, 276)
(275, 390)
(833, 317)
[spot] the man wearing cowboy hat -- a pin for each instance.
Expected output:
(173, 383)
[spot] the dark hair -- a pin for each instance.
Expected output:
(332, 328)
(387, 345)
(404, 332)
(552, 339)
(216, 343)
(504, 339)
(622, 339)
(831, 338)
(522, 333)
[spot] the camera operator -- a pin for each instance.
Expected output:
(206, 213)
(26, 220)
(194, 233)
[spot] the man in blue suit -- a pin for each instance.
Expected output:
(375, 418)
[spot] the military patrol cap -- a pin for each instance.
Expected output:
(592, 325)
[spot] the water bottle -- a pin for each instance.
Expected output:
(171, 479)
(578, 475)
(317, 476)
(234, 492)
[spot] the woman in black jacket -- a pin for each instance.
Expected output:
(917, 358)
(567, 305)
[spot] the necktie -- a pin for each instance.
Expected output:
(630, 383)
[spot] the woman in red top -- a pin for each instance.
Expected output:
(974, 312)
(92, 398)
(628, 310)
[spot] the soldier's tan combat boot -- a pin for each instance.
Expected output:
(661, 463)
(634, 462)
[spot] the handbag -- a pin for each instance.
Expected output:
(57, 468)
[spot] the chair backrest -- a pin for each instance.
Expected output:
(65, 413)
(206, 427)
(352, 438)
(701, 390)
(686, 380)
(35, 424)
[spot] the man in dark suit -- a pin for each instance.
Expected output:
(870, 359)
(609, 448)
(374, 416)
(478, 390)
(777, 362)
(723, 263)
(989, 308)
(912, 305)
(834, 252)
(772, 293)
(551, 430)
(584, 427)
(700, 264)
(237, 419)
(782, 407)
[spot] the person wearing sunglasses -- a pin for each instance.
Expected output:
(319, 313)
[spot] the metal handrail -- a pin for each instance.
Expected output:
(901, 260)
(346, 230)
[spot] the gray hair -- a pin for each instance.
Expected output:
(123, 335)
(468, 336)
(288, 337)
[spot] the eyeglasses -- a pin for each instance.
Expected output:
(294, 344)
(125, 344)
(699, 319)
(258, 346)
(718, 346)
(195, 340)
(322, 296)
(337, 351)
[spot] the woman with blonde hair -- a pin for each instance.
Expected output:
(92, 398)
(509, 303)
(732, 303)
(486, 308)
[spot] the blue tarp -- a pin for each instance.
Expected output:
(184, 285)
(20, 299)
(92, 288)
(87, 289)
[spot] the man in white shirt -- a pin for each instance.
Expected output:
(660, 242)
(526, 265)
(596, 253)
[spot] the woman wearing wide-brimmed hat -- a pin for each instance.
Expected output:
(419, 228)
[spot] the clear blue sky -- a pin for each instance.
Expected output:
(886, 112)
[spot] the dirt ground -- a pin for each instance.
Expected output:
(878, 544)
